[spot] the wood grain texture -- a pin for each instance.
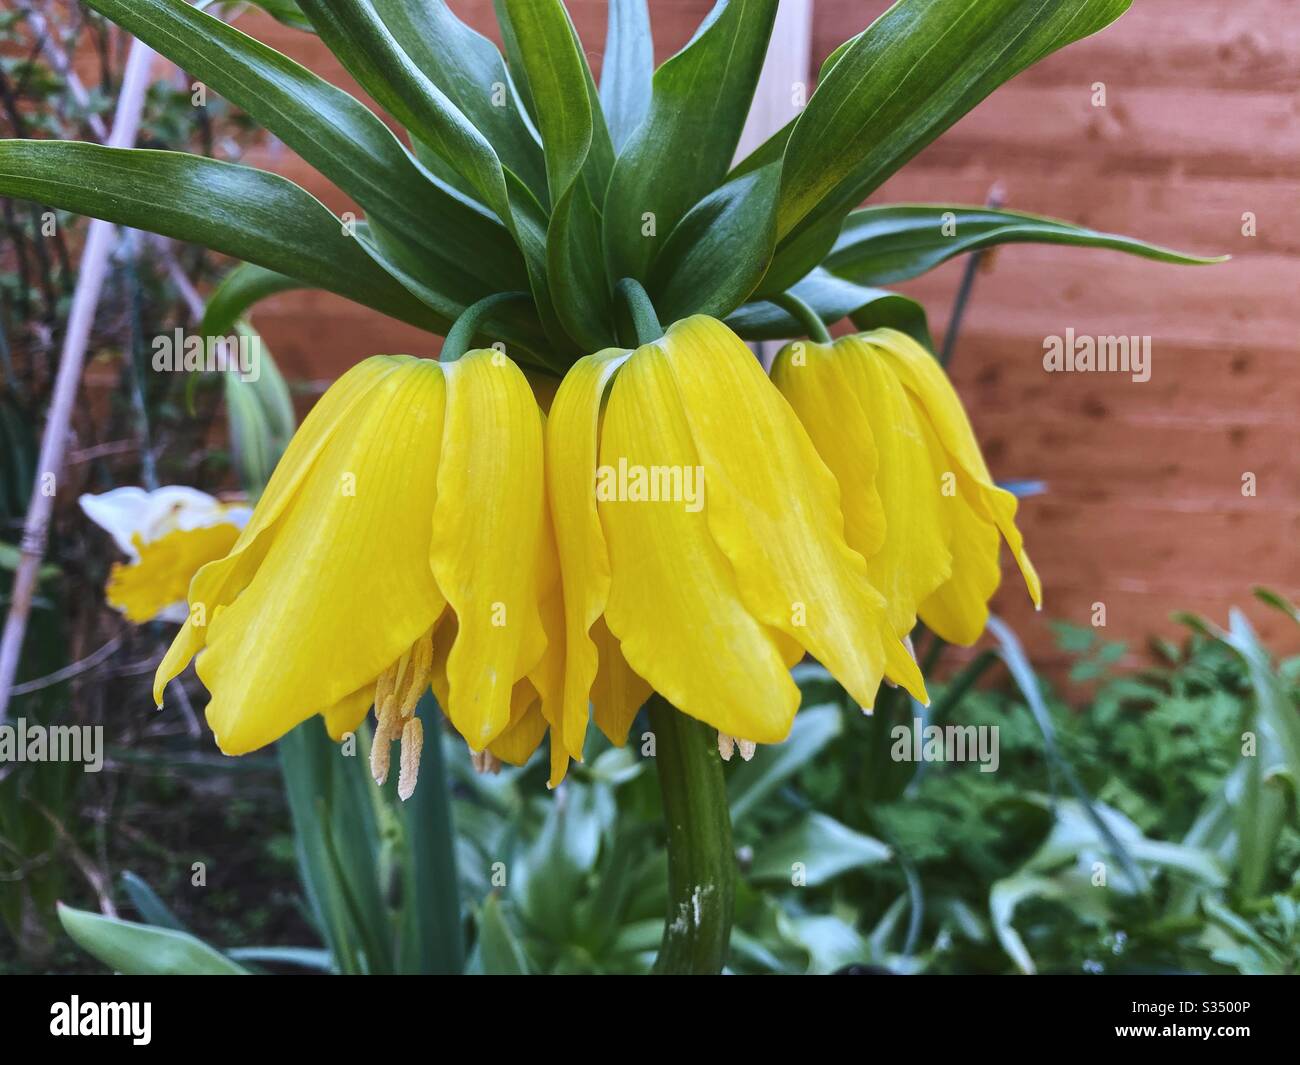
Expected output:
(1145, 510)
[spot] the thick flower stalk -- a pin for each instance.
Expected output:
(399, 544)
(919, 503)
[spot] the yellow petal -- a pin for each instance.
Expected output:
(571, 459)
(347, 714)
(217, 583)
(822, 387)
(486, 527)
(862, 422)
(521, 738)
(547, 676)
(774, 509)
(161, 577)
(673, 600)
(924, 378)
(958, 609)
(344, 587)
(618, 693)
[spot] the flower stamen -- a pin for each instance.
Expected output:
(409, 759)
(728, 745)
(397, 692)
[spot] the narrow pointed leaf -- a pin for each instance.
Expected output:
(915, 71)
(236, 210)
(834, 299)
(468, 67)
(557, 74)
(239, 290)
(883, 245)
(142, 950)
(331, 130)
(720, 251)
(683, 149)
(357, 35)
(628, 66)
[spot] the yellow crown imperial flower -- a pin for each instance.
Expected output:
(396, 546)
(919, 502)
(706, 600)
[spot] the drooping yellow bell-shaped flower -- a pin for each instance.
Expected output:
(919, 502)
(711, 554)
(396, 545)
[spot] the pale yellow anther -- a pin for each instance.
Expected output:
(728, 745)
(418, 674)
(485, 762)
(385, 685)
(386, 730)
(409, 760)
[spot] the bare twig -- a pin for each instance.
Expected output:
(75, 669)
(996, 198)
(90, 281)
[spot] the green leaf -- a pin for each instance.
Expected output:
(303, 957)
(563, 853)
(236, 210)
(11, 555)
(719, 252)
(468, 67)
(155, 912)
(244, 286)
(142, 950)
(332, 131)
(833, 298)
(773, 149)
(286, 11)
(336, 834)
(629, 66)
(915, 71)
(1260, 796)
(500, 951)
(260, 414)
(449, 292)
(881, 245)
(1022, 672)
(557, 74)
(753, 781)
(432, 910)
(683, 149)
(357, 35)
(821, 845)
(554, 67)
(1275, 599)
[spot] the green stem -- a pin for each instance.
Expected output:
(642, 321)
(461, 336)
(807, 317)
(701, 859)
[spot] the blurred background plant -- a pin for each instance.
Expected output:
(60, 69)
(930, 867)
